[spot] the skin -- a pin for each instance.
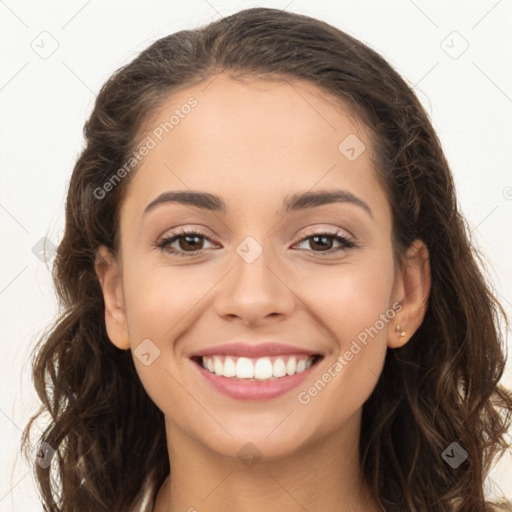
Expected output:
(253, 144)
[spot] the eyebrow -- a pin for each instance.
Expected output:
(295, 202)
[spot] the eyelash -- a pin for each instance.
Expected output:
(164, 242)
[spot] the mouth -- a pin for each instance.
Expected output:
(261, 369)
(262, 378)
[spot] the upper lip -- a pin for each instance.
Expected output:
(243, 349)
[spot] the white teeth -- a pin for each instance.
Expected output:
(217, 365)
(279, 368)
(229, 369)
(263, 368)
(255, 369)
(291, 366)
(244, 368)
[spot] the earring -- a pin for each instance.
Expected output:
(398, 329)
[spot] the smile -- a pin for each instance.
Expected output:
(255, 378)
(262, 368)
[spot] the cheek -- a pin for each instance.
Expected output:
(354, 310)
(350, 299)
(159, 298)
(159, 304)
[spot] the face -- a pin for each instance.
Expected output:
(317, 277)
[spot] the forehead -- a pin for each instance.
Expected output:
(271, 138)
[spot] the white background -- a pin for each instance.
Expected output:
(45, 101)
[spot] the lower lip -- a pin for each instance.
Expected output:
(254, 390)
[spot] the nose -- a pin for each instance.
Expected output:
(253, 291)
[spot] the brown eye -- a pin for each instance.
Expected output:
(323, 242)
(189, 243)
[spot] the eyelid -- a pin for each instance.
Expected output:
(347, 242)
(333, 230)
(181, 232)
(309, 232)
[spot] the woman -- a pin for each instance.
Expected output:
(270, 300)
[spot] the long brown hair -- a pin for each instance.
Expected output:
(441, 387)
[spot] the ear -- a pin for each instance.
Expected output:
(110, 277)
(412, 292)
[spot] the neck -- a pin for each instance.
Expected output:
(322, 476)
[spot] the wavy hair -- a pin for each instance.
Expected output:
(440, 387)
